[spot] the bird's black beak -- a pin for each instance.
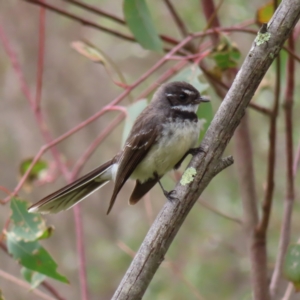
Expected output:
(204, 99)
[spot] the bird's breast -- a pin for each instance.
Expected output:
(176, 138)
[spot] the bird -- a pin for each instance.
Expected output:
(162, 136)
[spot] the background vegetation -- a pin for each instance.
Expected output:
(209, 257)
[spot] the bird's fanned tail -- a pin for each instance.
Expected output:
(74, 192)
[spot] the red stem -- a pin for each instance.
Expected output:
(97, 11)
(267, 204)
(16, 65)
(212, 18)
(39, 118)
(81, 252)
(91, 149)
(290, 195)
(180, 24)
(41, 55)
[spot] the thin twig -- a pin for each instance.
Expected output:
(81, 252)
(178, 21)
(292, 53)
(267, 203)
(52, 290)
(97, 11)
(297, 160)
(218, 212)
(16, 66)
(166, 75)
(183, 278)
(91, 149)
(24, 285)
(88, 23)
(289, 292)
(38, 115)
(211, 15)
(112, 17)
(264, 110)
(41, 56)
(83, 21)
(290, 194)
(216, 82)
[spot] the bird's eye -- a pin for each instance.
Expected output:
(182, 96)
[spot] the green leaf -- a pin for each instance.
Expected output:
(22, 243)
(27, 226)
(33, 256)
(34, 278)
(205, 114)
(133, 112)
(37, 172)
(292, 265)
(140, 23)
(226, 54)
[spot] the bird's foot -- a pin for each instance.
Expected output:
(171, 196)
(197, 150)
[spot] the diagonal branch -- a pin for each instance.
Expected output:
(227, 118)
(84, 22)
(88, 23)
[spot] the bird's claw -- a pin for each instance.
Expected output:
(171, 196)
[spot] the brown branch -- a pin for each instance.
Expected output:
(264, 110)
(52, 290)
(292, 53)
(83, 21)
(216, 83)
(97, 11)
(188, 190)
(112, 17)
(24, 285)
(267, 203)
(88, 23)
(215, 210)
(290, 194)
(180, 24)
(297, 160)
(256, 246)
(210, 13)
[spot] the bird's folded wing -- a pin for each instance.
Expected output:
(135, 149)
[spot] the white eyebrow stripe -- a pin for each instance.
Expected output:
(189, 92)
(169, 95)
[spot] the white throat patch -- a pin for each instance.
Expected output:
(189, 108)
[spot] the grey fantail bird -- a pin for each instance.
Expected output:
(162, 136)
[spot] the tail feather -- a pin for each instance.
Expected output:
(74, 192)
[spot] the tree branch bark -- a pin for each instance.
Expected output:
(227, 118)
